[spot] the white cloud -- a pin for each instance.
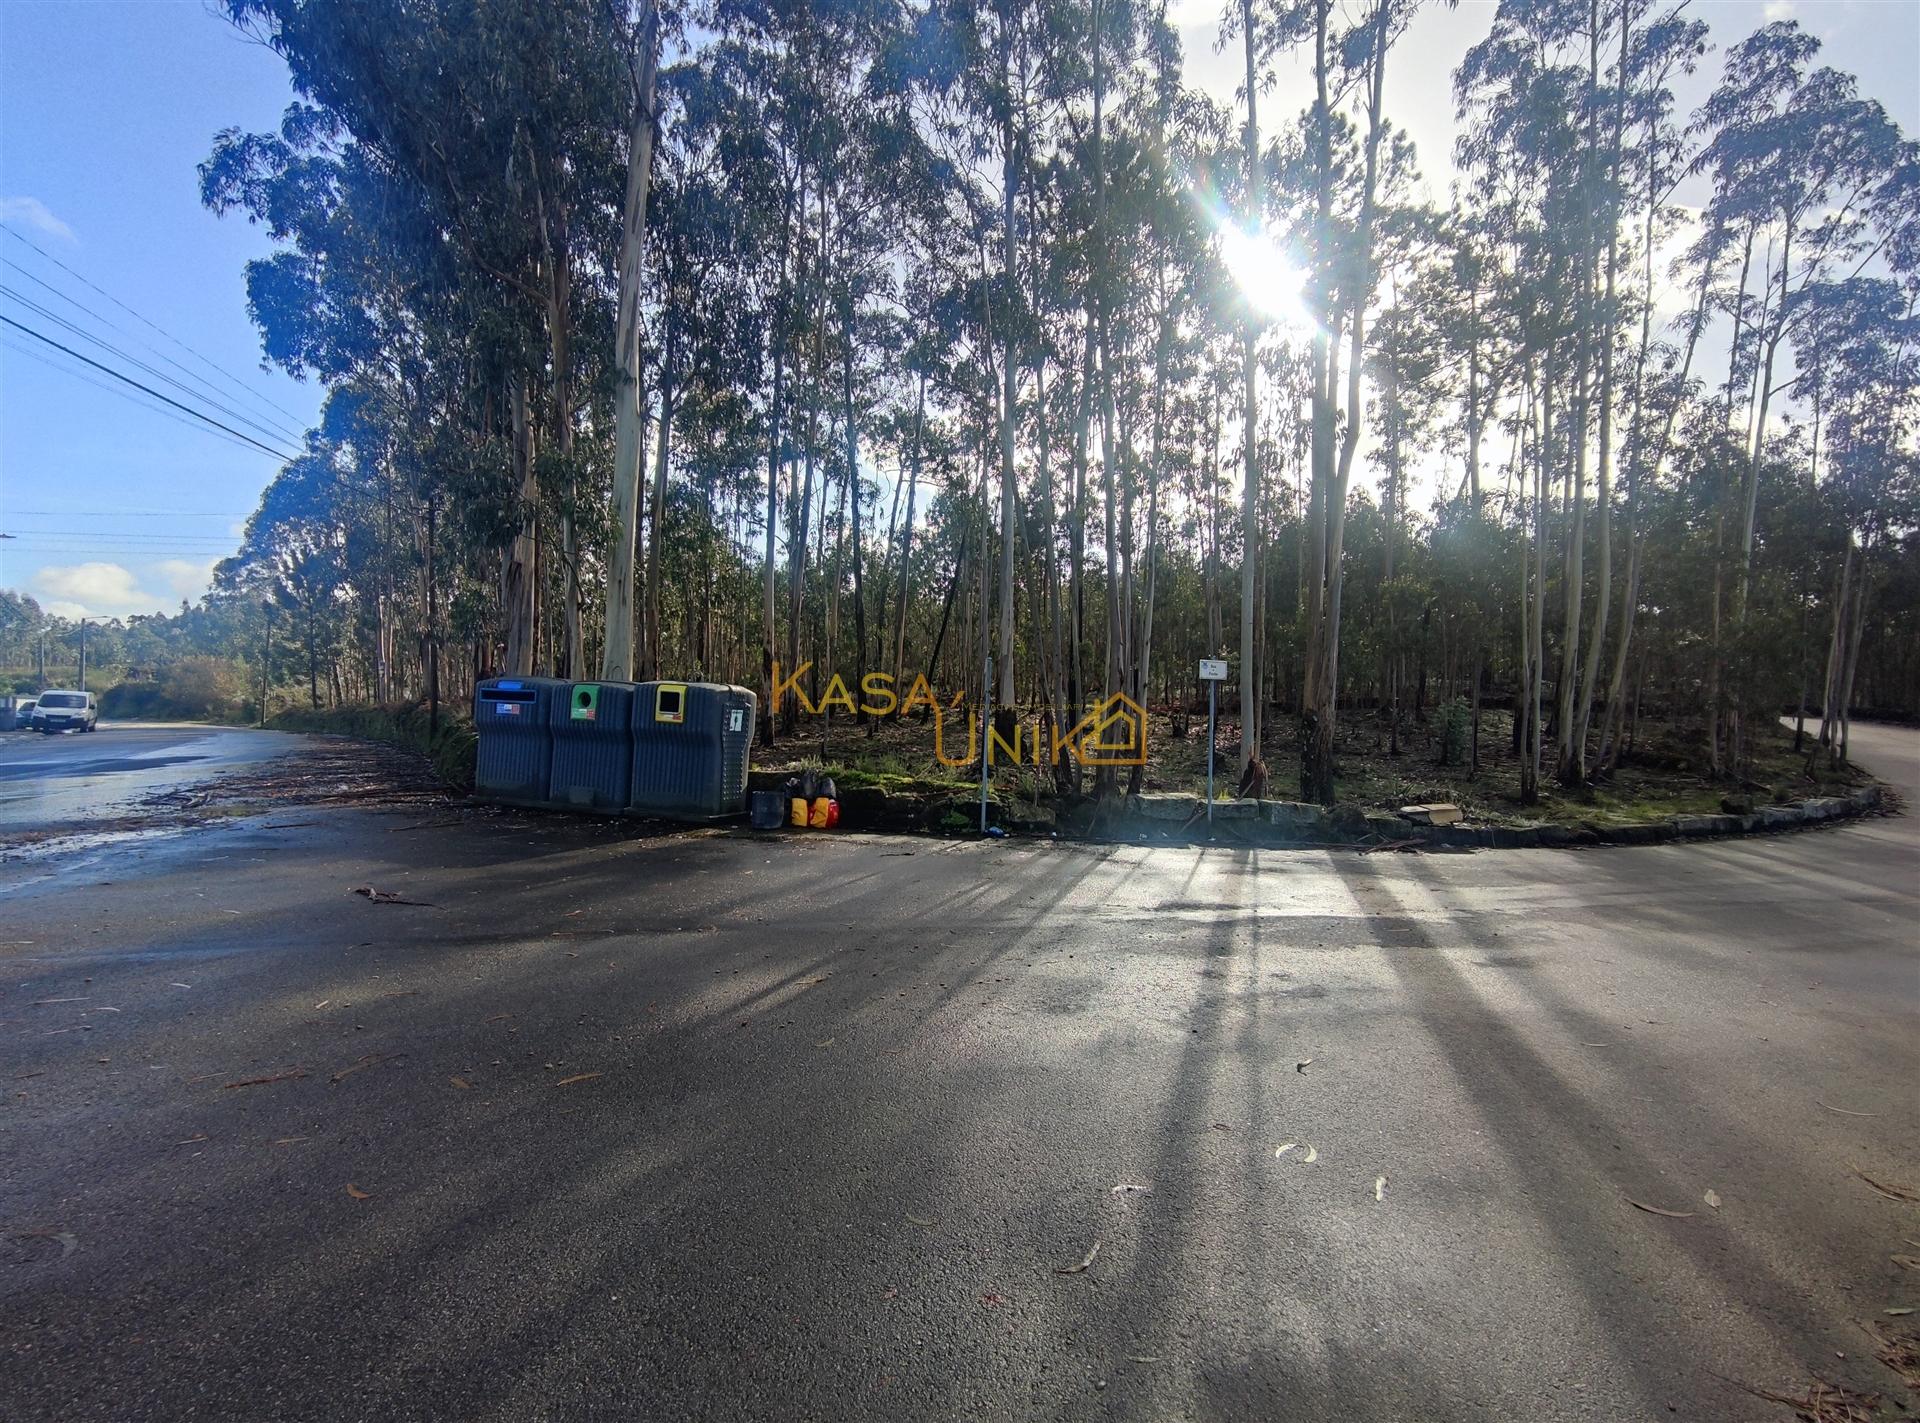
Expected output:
(1778, 10)
(31, 212)
(94, 590)
(185, 577)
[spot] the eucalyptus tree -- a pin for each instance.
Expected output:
(1347, 63)
(616, 659)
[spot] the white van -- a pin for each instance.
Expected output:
(65, 711)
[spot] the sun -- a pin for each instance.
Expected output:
(1271, 282)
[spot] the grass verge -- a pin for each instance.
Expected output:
(450, 748)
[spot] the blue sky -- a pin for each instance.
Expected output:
(105, 109)
(106, 106)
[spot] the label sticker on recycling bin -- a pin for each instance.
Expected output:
(736, 718)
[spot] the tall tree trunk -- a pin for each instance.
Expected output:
(853, 495)
(1836, 650)
(652, 659)
(1009, 378)
(616, 656)
(555, 241)
(768, 630)
(1473, 393)
(1603, 493)
(906, 535)
(1317, 768)
(520, 574)
(1249, 427)
(1077, 544)
(1842, 744)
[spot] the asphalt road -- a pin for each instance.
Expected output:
(77, 778)
(721, 1127)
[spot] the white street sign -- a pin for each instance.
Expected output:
(1212, 670)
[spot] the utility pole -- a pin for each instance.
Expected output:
(83, 654)
(40, 662)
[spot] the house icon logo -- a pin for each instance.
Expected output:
(1112, 733)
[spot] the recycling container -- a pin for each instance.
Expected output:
(513, 716)
(592, 724)
(690, 747)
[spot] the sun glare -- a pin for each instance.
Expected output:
(1270, 281)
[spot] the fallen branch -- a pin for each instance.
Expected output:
(368, 1061)
(1892, 1193)
(286, 1076)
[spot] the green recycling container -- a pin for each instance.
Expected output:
(592, 727)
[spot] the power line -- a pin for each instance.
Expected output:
(127, 513)
(52, 363)
(92, 534)
(271, 430)
(217, 370)
(198, 415)
(112, 325)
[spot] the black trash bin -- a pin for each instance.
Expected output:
(690, 746)
(512, 717)
(592, 726)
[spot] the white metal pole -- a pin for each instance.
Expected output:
(986, 714)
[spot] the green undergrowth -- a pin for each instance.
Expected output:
(451, 748)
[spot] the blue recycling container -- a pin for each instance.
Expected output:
(513, 716)
(592, 725)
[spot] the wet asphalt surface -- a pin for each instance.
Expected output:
(78, 779)
(614, 1123)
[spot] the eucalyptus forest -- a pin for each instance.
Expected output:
(976, 342)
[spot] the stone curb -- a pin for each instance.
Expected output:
(1300, 823)
(1285, 823)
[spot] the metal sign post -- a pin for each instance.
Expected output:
(1213, 671)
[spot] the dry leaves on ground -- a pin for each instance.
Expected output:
(578, 1077)
(357, 1193)
(1898, 1349)
(1823, 1402)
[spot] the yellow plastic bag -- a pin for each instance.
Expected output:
(822, 807)
(797, 813)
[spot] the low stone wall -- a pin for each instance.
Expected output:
(1286, 822)
(1162, 818)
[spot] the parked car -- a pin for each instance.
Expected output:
(22, 713)
(65, 711)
